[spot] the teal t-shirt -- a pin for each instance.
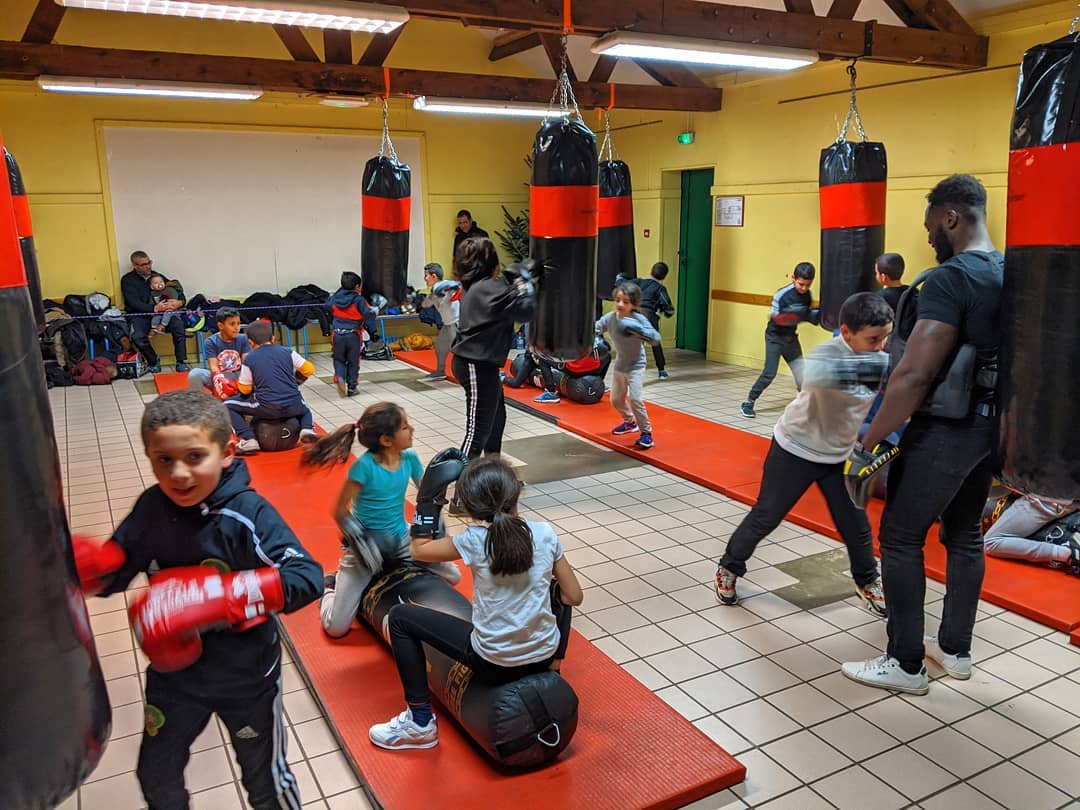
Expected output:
(380, 506)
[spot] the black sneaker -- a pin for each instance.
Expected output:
(352, 392)
(156, 368)
(747, 409)
(183, 367)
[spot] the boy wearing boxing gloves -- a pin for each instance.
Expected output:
(227, 562)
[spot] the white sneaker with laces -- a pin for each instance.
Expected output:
(886, 673)
(873, 598)
(958, 666)
(402, 732)
(245, 447)
(725, 587)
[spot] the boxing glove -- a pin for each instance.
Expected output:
(224, 387)
(862, 465)
(867, 369)
(367, 552)
(445, 288)
(637, 326)
(813, 316)
(442, 471)
(96, 562)
(183, 602)
(521, 277)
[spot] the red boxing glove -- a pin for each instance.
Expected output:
(224, 387)
(182, 602)
(96, 561)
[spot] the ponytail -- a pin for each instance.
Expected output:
(333, 448)
(509, 545)
(488, 489)
(378, 420)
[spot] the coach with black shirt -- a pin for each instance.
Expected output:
(944, 469)
(140, 302)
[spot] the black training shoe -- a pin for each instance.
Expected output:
(747, 409)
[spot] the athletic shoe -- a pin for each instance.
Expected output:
(725, 586)
(342, 388)
(402, 732)
(661, 374)
(623, 428)
(747, 409)
(548, 396)
(958, 666)
(873, 598)
(155, 368)
(247, 446)
(308, 436)
(433, 376)
(644, 442)
(886, 673)
(183, 367)
(352, 392)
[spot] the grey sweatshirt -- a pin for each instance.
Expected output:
(629, 348)
(822, 423)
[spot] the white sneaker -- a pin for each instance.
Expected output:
(245, 447)
(958, 666)
(873, 598)
(402, 732)
(308, 436)
(886, 673)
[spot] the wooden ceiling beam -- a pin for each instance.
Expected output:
(601, 71)
(843, 9)
(553, 48)
(337, 46)
(379, 48)
(296, 43)
(27, 61)
(799, 6)
(939, 15)
(44, 22)
(513, 43)
(831, 36)
(670, 74)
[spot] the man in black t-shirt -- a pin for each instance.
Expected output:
(466, 228)
(944, 469)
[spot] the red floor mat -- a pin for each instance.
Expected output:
(630, 752)
(730, 461)
(170, 381)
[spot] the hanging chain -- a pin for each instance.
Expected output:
(607, 146)
(387, 145)
(564, 91)
(853, 110)
(1076, 20)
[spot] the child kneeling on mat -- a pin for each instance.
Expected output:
(811, 442)
(371, 507)
(514, 630)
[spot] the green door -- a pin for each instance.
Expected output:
(695, 251)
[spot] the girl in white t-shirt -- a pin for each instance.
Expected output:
(520, 618)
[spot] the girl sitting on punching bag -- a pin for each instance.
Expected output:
(520, 623)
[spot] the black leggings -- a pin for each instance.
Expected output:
(528, 366)
(412, 626)
(485, 409)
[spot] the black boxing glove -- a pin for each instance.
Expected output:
(521, 276)
(441, 472)
(862, 465)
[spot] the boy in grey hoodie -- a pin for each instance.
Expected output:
(630, 331)
(445, 296)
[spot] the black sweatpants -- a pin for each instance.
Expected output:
(485, 408)
(140, 337)
(658, 349)
(776, 347)
(785, 479)
(412, 626)
(347, 357)
(943, 470)
(256, 727)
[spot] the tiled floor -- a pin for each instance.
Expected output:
(762, 679)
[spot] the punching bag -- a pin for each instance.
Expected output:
(55, 709)
(25, 230)
(521, 724)
(615, 253)
(384, 241)
(563, 223)
(1038, 364)
(274, 435)
(851, 179)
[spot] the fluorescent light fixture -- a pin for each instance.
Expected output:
(472, 106)
(702, 51)
(371, 17)
(124, 87)
(344, 102)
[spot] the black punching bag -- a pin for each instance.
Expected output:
(25, 229)
(851, 179)
(1039, 363)
(53, 704)
(563, 223)
(521, 724)
(615, 254)
(384, 241)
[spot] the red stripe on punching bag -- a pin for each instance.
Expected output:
(557, 212)
(1044, 196)
(386, 214)
(616, 211)
(12, 272)
(22, 216)
(852, 205)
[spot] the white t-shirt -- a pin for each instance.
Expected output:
(512, 620)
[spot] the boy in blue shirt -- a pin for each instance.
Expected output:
(352, 317)
(225, 353)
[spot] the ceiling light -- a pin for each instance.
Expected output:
(344, 102)
(124, 87)
(345, 16)
(471, 106)
(702, 51)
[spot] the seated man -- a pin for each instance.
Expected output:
(225, 352)
(1010, 535)
(140, 303)
(270, 372)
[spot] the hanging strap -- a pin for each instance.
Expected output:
(386, 146)
(853, 110)
(607, 145)
(563, 94)
(567, 17)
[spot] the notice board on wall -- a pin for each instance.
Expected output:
(231, 212)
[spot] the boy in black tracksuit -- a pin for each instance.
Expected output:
(655, 302)
(352, 316)
(790, 306)
(204, 512)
